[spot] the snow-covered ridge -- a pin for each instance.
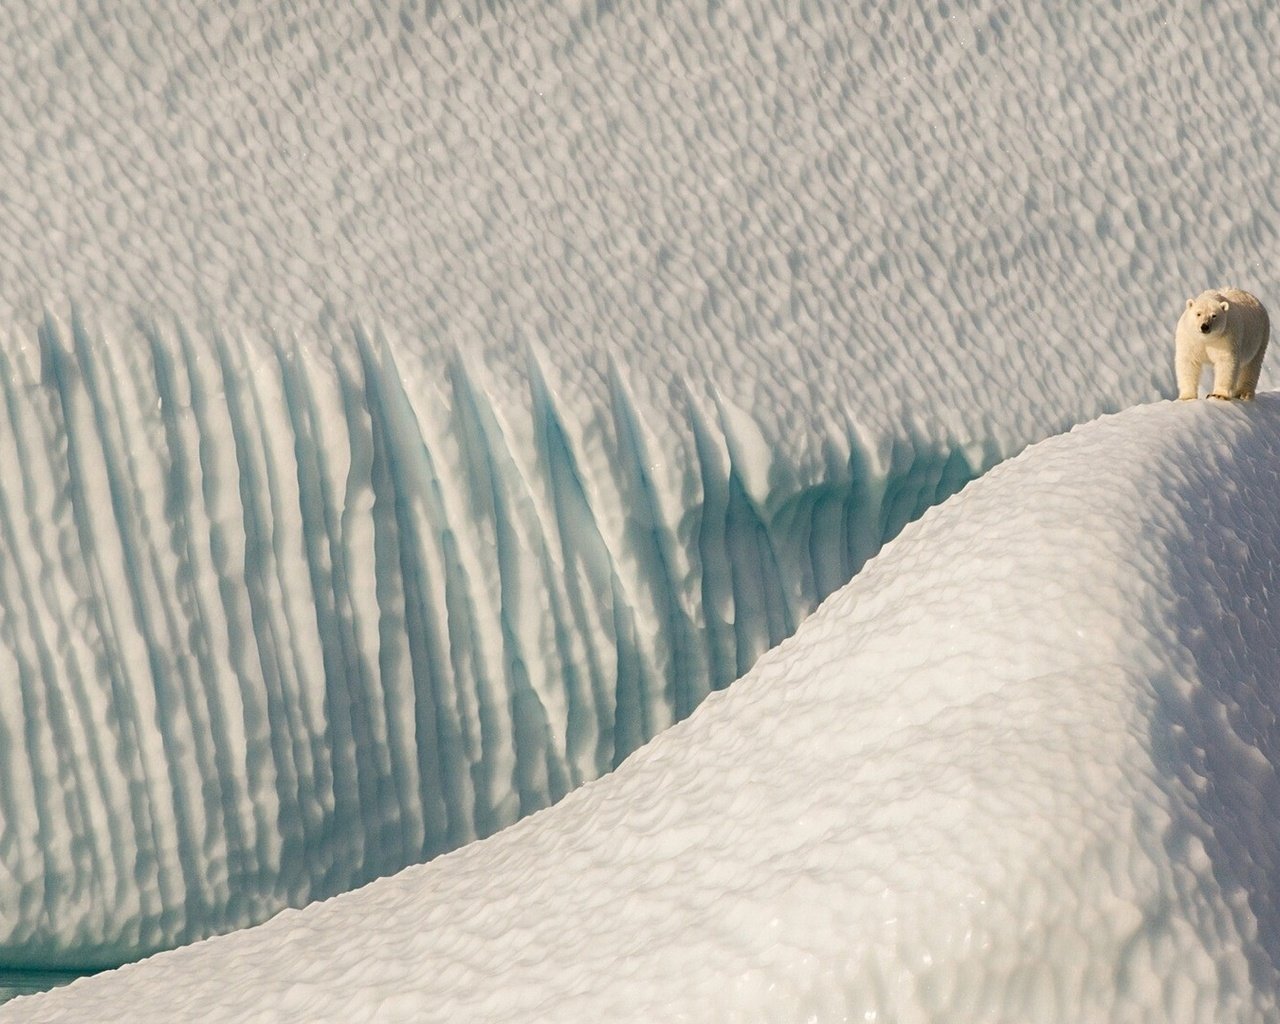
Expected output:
(283, 618)
(1021, 768)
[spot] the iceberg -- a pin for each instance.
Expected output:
(409, 414)
(1019, 769)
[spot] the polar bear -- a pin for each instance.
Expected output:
(1229, 328)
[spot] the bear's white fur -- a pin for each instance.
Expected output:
(1228, 328)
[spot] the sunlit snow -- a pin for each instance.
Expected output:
(409, 412)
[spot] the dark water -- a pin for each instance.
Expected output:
(14, 983)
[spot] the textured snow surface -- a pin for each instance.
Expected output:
(1021, 768)
(686, 188)
(666, 314)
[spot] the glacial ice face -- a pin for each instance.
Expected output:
(281, 619)
(1023, 767)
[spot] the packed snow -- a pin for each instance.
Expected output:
(1021, 768)
(408, 413)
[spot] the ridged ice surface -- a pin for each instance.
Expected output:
(1021, 768)
(409, 411)
(278, 620)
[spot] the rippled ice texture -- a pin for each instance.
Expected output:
(1020, 769)
(690, 189)
(458, 393)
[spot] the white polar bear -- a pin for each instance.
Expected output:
(1229, 328)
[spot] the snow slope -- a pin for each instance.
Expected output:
(457, 393)
(1021, 768)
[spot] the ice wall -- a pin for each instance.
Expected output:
(281, 618)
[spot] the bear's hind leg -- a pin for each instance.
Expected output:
(1249, 373)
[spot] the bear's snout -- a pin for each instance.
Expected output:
(1205, 328)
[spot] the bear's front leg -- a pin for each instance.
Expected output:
(1188, 363)
(1225, 370)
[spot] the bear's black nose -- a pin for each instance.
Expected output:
(1204, 328)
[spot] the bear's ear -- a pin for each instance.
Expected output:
(1190, 303)
(1224, 305)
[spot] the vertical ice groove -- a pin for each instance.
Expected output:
(31, 824)
(422, 716)
(221, 547)
(135, 456)
(452, 656)
(552, 665)
(366, 570)
(206, 667)
(316, 409)
(718, 613)
(587, 574)
(119, 655)
(71, 675)
(401, 832)
(467, 616)
(48, 741)
(282, 841)
(353, 705)
(287, 614)
(604, 521)
(495, 489)
(761, 615)
(650, 542)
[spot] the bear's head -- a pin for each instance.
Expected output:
(1206, 313)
